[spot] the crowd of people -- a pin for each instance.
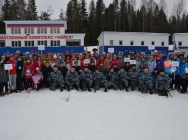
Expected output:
(152, 74)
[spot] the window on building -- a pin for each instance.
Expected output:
(153, 43)
(28, 30)
(12, 30)
(15, 30)
(142, 43)
(32, 30)
(180, 43)
(29, 43)
(58, 30)
(111, 42)
(16, 43)
(12, 43)
(32, 43)
(55, 43)
(45, 43)
(58, 43)
(162, 43)
(52, 43)
(19, 30)
(42, 30)
(45, 30)
(42, 43)
(54, 30)
(38, 30)
(120, 42)
(131, 42)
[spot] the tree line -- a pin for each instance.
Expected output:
(119, 15)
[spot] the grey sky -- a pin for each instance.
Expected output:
(58, 4)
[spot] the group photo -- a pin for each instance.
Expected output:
(93, 69)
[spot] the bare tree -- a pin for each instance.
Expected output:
(179, 8)
(163, 5)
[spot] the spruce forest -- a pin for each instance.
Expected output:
(95, 17)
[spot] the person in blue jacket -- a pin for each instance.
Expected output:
(176, 79)
(159, 64)
(184, 76)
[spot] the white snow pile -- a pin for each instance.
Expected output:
(115, 115)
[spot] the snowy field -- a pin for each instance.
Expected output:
(115, 115)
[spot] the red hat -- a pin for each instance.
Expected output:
(32, 51)
(158, 57)
(11, 56)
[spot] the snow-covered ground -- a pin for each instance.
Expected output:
(116, 115)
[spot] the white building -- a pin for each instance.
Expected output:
(133, 41)
(25, 34)
(181, 40)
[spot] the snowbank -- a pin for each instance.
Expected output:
(119, 115)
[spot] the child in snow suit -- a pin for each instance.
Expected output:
(28, 72)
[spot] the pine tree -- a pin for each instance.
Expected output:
(31, 10)
(6, 9)
(73, 16)
(20, 10)
(91, 23)
(61, 15)
(46, 15)
(99, 25)
(123, 16)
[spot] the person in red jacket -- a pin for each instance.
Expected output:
(29, 70)
(100, 60)
(38, 63)
(13, 75)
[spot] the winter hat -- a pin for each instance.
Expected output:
(155, 69)
(121, 67)
(55, 66)
(7, 52)
(11, 57)
(86, 67)
(133, 65)
(2, 56)
(104, 53)
(76, 62)
(155, 51)
(32, 51)
(55, 56)
(96, 68)
(37, 68)
(115, 56)
(161, 70)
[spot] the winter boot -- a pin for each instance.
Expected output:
(105, 90)
(1, 94)
(16, 91)
(150, 91)
(6, 93)
(11, 91)
(127, 89)
(77, 88)
(61, 89)
(89, 89)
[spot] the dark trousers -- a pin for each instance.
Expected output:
(2, 85)
(177, 81)
(29, 83)
(46, 82)
(184, 84)
(19, 83)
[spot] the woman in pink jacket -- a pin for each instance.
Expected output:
(115, 61)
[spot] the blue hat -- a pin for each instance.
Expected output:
(7, 52)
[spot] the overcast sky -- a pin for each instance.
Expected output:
(58, 4)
